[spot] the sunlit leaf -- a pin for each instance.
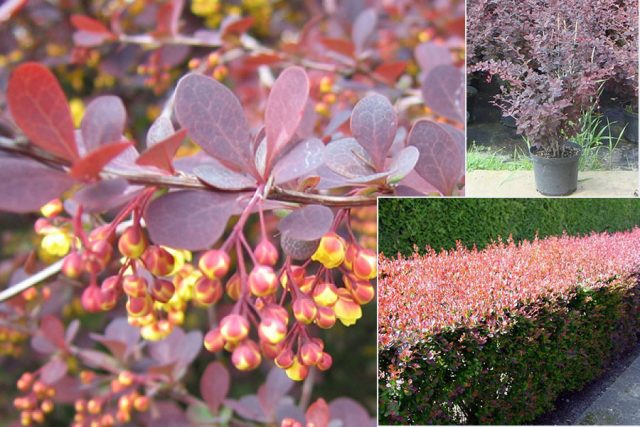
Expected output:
(374, 124)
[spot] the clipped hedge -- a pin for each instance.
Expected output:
(494, 336)
(439, 223)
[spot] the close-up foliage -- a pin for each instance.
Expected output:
(192, 189)
(494, 336)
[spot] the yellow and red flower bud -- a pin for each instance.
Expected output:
(157, 331)
(90, 299)
(214, 263)
(52, 209)
(266, 253)
(162, 290)
(207, 291)
(272, 329)
(310, 353)
(72, 265)
(104, 232)
(234, 327)
(325, 294)
(25, 382)
(158, 261)
(297, 276)
(304, 310)
(350, 255)
(214, 341)
(325, 362)
(331, 251)
(290, 422)
(233, 287)
(108, 298)
(133, 242)
(284, 359)
(297, 371)
(262, 281)
(139, 307)
(141, 403)
(270, 350)
(346, 308)
(43, 226)
(97, 256)
(365, 264)
(135, 286)
(307, 284)
(361, 290)
(246, 356)
(126, 378)
(325, 318)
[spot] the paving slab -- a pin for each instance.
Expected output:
(485, 183)
(620, 403)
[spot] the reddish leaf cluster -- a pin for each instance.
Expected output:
(420, 295)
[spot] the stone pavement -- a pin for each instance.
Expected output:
(485, 183)
(620, 403)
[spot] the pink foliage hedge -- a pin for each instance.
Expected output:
(420, 295)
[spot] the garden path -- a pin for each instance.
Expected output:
(485, 183)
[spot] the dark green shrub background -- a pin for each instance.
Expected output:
(479, 376)
(440, 222)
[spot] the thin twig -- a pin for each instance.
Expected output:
(190, 181)
(31, 281)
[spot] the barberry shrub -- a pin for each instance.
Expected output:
(216, 218)
(493, 336)
(552, 57)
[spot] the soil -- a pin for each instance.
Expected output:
(566, 152)
(571, 406)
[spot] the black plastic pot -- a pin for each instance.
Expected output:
(556, 177)
(508, 121)
(631, 128)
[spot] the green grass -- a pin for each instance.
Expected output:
(483, 158)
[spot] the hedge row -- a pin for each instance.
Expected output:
(439, 223)
(494, 336)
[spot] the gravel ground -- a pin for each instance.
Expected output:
(570, 406)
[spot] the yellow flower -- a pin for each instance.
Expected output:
(331, 250)
(56, 243)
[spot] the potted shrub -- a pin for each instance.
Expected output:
(552, 78)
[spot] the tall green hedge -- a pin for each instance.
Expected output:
(440, 222)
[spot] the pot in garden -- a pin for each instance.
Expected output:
(508, 121)
(631, 126)
(556, 176)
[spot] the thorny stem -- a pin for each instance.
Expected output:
(184, 180)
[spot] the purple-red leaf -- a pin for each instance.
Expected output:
(273, 390)
(189, 219)
(215, 120)
(298, 249)
(342, 46)
(85, 23)
(373, 124)
(160, 129)
(39, 107)
(103, 122)
(429, 55)
(214, 385)
(161, 154)
(218, 176)
(390, 71)
(301, 160)
(348, 158)
(350, 412)
(318, 414)
(103, 195)
(441, 157)
(363, 27)
(53, 370)
(285, 108)
(403, 163)
(91, 165)
(25, 185)
(308, 223)
(443, 92)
